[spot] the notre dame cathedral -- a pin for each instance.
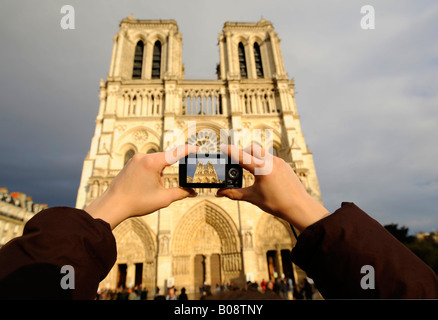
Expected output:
(203, 239)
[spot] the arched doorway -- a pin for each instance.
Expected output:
(206, 248)
(274, 242)
(135, 263)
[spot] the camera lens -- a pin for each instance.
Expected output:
(233, 173)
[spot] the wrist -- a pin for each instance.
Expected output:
(106, 208)
(305, 213)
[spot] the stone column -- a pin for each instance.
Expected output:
(280, 263)
(170, 53)
(118, 59)
(113, 56)
(222, 57)
(229, 54)
(130, 275)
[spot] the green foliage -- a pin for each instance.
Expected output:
(425, 248)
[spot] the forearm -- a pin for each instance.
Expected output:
(334, 250)
(304, 212)
(30, 265)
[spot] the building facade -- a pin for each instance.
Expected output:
(144, 97)
(16, 208)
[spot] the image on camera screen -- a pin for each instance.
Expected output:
(206, 170)
(209, 170)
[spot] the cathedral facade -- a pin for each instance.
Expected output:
(145, 96)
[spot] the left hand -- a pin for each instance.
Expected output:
(139, 188)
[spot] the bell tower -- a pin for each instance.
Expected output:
(146, 50)
(250, 51)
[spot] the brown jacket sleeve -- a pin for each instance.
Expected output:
(30, 265)
(333, 251)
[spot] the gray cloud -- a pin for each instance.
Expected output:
(367, 99)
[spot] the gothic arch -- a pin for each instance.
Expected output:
(140, 239)
(216, 128)
(240, 38)
(222, 241)
(137, 36)
(136, 136)
(150, 146)
(212, 214)
(256, 38)
(158, 36)
(276, 138)
(136, 245)
(273, 233)
(127, 146)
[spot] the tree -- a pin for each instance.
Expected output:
(401, 234)
(425, 248)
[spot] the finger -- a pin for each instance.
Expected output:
(256, 151)
(244, 159)
(175, 194)
(174, 155)
(235, 194)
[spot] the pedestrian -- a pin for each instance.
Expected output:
(263, 284)
(307, 289)
(183, 295)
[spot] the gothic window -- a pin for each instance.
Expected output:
(258, 60)
(138, 60)
(156, 61)
(134, 105)
(242, 61)
(205, 140)
(128, 155)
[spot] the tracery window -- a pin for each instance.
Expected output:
(156, 61)
(258, 60)
(128, 155)
(242, 61)
(138, 60)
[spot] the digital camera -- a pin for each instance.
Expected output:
(209, 170)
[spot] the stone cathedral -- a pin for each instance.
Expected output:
(201, 240)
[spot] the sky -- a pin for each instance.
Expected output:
(367, 99)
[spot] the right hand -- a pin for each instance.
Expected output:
(279, 192)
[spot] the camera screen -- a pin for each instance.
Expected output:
(209, 170)
(203, 169)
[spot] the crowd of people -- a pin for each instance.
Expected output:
(282, 289)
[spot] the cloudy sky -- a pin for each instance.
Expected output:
(367, 98)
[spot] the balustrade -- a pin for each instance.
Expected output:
(200, 98)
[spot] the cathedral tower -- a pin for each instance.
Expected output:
(204, 239)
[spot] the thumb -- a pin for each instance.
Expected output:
(175, 194)
(234, 194)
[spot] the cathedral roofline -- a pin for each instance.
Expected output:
(261, 23)
(131, 20)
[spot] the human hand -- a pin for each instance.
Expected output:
(139, 189)
(278, 191)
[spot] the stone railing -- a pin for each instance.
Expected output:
(200, 98)
(203, 97)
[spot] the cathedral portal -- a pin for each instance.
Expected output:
(206, 248)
